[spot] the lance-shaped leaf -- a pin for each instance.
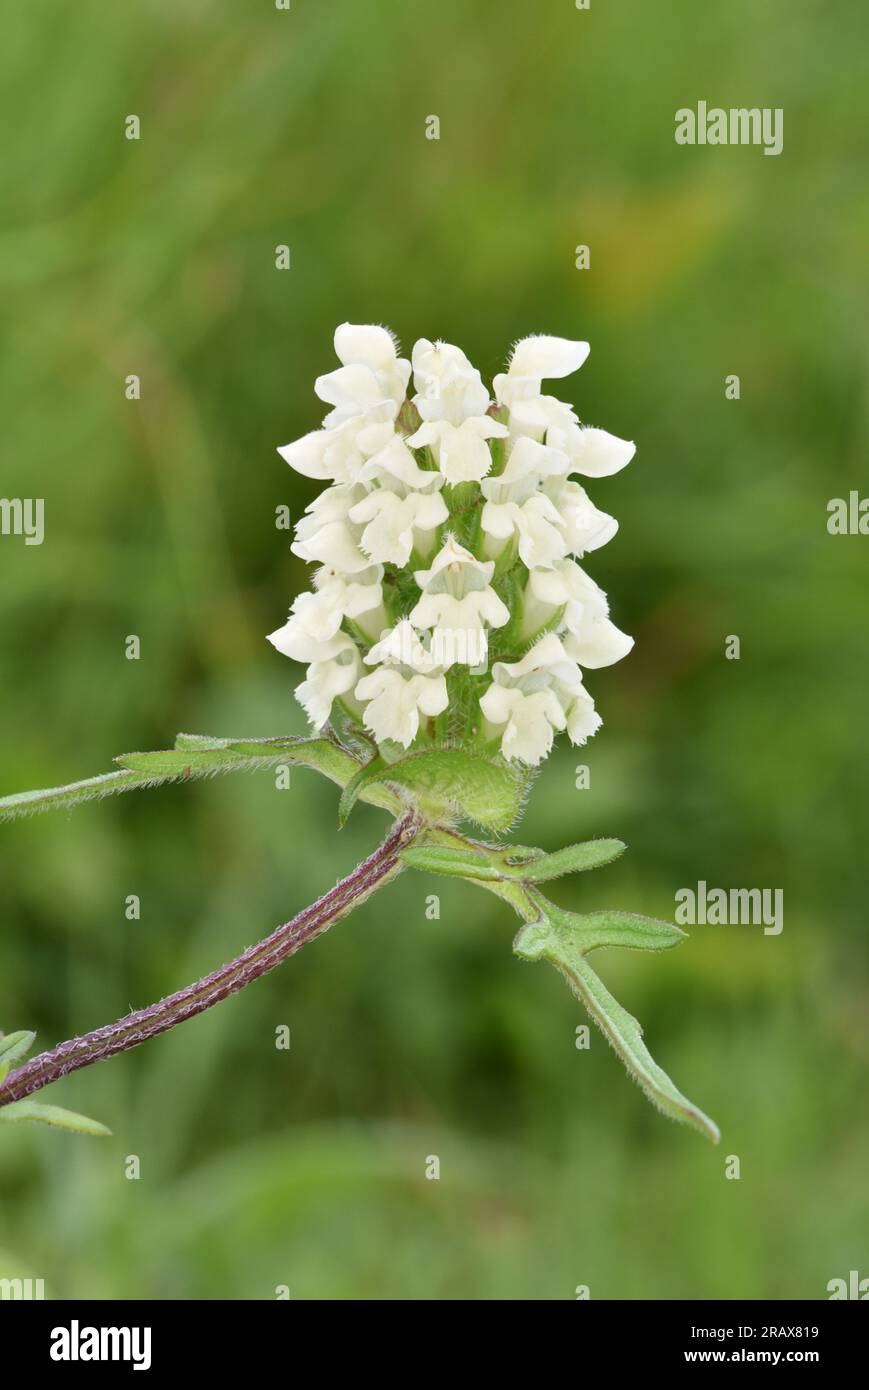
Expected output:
(457, 863)
(35, 1112)
(196, 756)
(517, 863)
(590, 854)
(91, 789)
(610, 927)
(448, 782)
(323, 755)
(565, 944)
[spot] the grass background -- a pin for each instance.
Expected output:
(413, 1037)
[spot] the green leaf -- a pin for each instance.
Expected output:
(196, 756)
(458, 863)
(565, 939)
(322, 755)
(170, 766)
(34, 1111)
(450, 782)
(14, 1046)
(205, 757)
(565, 947)
(351, 793)
(590, 854)
(200, 741)
(588, 931)
(516, 863)
(29, 803)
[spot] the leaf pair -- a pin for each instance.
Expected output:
(13, 1048)
(565, 939)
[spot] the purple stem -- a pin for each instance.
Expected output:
(251, 965)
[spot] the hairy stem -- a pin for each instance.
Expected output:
(251, 965)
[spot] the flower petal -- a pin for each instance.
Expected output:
(597, 643)
(543, 357)
(365, 343)
(293, 641)
(306, 455)
(597, 454)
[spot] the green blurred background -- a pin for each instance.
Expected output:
(413, 1037)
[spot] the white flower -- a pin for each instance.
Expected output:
(328, 680)
(338, 596)
(534, 360)
(447, 386)
(338, 455)
(457, 600)
(295, 641)
(326, 536)
(536, 697)
(334, 544)
(401, 646)
(399, 692)
(460, 451)
(588, 636)
(396, 702)
(515, 506)
(539, 417)
(583, 720)
(332, 504)
(394, 460)
(372, 380)
(584, 526)
(531, 721)
(395, 521)
(528, 463)
(593, 453)
(537, 524)
(597, 642)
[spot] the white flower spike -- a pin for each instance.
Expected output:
(448, 609)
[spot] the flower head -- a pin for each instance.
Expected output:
(448, 607)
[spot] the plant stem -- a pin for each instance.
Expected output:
(251, 965)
